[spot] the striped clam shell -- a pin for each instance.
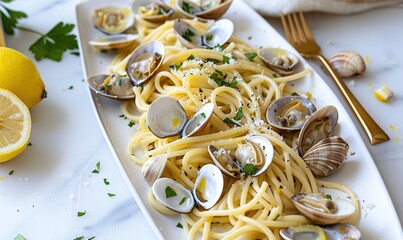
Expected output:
(347, 63)
(152, 168)
(326, 156)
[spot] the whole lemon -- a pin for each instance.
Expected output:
(19, 75)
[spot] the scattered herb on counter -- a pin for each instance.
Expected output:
(20, 237)
(169, 192)
(183, 200)
(71, 87)
(10, 17)
(239, 114)
(249, 169)
(250, 56)
(111, 194)
(79, 238)
(11, 172)
(98, 168)
(179, 225)
(106, 182)
(131, 124)
(93, 237)
(229, 121)
(80, 214)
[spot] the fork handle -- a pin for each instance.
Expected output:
(375, 133)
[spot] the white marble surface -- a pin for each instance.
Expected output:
(52, 179)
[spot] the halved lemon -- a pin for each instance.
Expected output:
(15, 125)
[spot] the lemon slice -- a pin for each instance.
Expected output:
(15, 125)
(383, 94)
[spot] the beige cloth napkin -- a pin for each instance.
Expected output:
(281, 7)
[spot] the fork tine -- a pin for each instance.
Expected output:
(286, 29)
(300, 31)
(307, 31)
(292, 28)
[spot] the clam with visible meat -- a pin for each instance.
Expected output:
(144, 62)
(152, 10)
(340, 231)
(321, 210)
(173, 195)
(207, 9)
(290, 112)
(208, 186)
(112, 86)
(279, 60)
(217, 35)
(113, 19)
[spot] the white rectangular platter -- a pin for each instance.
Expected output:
(378, 216)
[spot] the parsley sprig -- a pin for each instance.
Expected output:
(50, 45)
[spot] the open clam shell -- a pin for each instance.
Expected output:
(154, 11)
(173, 195)
(338, 231)
(113, 19)
(290, 112)
(279, 60)
(208, 186)
(187, 35)
(111, 86)
(145, 61)
(166, 117)
(320, 125)
(199, 121)
(210, 9)
(152, 169)
(321, 210)
(326, 156)
(267, 151)
(114, 42)
(224, 162)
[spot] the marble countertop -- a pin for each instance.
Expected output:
(53, 179)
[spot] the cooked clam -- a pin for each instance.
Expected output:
(321, 210)
(112, 86)
(152, 169)
(326, 156)
(166, 117)
(208, 186)
(210, 9)
(320, 125)
(223, 160)
(218, 34)
(144, 62)
(152, 10)
(173, 195)
(347, 63)
(290, 112)
(279, 60)
(113, 19)
(199, 120)
(114, 42)
(340, 231)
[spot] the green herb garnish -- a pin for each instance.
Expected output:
(91, 238)
(183, 200)
(175, 66)
(179, 225)
(213, 60)
(169, 192)
(328, 196)
(276, 217)
(98, 168)
(111, 194)
(209, 37)
(225, 59)
(229, 121)
(233, 83)
(219, 72)
(239, 114)
(249, 169)
(10, 18)
(131, 124)
(191, 57)
(294, 94)
(80, 214)
(106, 182)
(275, 75)
(186, 7)
(250, 56)
(20, 237)
(11, 172)
(79, 238)
(188, 34)
(203, 115)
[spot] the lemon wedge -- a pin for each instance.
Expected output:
(383, 93)
(15, 125)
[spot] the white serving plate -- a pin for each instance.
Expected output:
(378, 216)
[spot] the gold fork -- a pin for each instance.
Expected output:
(299, 35)
(2, 40)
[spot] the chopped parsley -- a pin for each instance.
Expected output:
(176, 66)
(91, 238)
(80, 214)
(220, 81)
(275, 75)
(213, 60)
(20, 237)
(98, 168)
(179, 225)
(239, 114)
(183, 200)
(111, 194)
(11, 172)
(29, 144)
(104, 51)
(229, 121)
(120, 82)
(225, 59)
(79, 238)
(328, 196)
(106, 182)
(186, 7)
(294, 94)
(276, 217)
(249, 169)
(188, 34)
(190, 58)
(169, 192)
(131, 124)
(209, 37)
(203, 115)
(250, 56)
(109, 86)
